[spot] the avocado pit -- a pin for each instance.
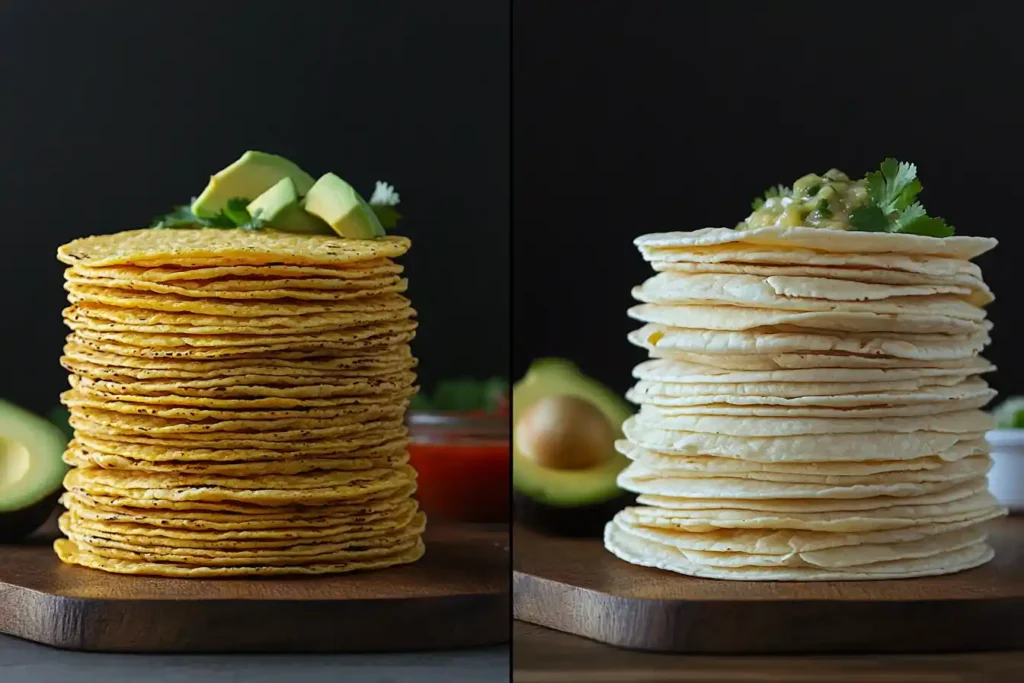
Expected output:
(14, 462)
(565, 432)
(31, 471)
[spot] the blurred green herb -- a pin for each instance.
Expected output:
(464, 395)
(1010, 413)
(62, 418)
(233, 215)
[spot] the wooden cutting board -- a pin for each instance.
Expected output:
(456, 596)
(578, 587)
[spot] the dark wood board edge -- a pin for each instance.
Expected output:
(219, 626)
(545, 656)
(767, 626)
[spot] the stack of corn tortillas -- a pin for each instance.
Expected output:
(811, 408)
(238, 401)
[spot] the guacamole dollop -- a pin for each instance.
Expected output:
(814, 201)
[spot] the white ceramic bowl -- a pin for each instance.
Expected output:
(1006, 478)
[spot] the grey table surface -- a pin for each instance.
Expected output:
(25, 662)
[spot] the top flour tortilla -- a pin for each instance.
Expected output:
(663, 258)
(845, 241)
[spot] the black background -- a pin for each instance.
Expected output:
(115, 111)
(647, 116)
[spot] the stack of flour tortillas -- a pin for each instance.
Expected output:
(811, 409)
(238, 400)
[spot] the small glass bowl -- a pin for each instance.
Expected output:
(464, 463)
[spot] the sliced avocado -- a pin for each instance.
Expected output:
(348, 214)
(567, 501)
(279, 208)
(31, 471)
(249, 177)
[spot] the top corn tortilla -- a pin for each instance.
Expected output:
(225, 247)
(844, 241)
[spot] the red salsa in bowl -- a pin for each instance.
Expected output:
(463, 461)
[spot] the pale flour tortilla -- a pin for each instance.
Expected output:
(636, 550)
(772, 362)
(782, 544)
(885, 515)
(793, 293)
(968, 421)
(958, 471)
(739, 318)
(678, 372)
(842, 394)
(831, 241)
(921, 347)
(858, 446)
(969, 276)
(970, 498)
(911, 265)
(641, 481)
(754, 409)
(712, 464)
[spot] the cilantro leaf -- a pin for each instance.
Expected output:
(869, 219)
(254, 222)
(179, 217)
(823, 208)
(893, 190)
(236, 212)
(383, 202)
(387, 215)
(895, 186)
(233, 215)
(927, 226)
(907, 217)
(771, 193)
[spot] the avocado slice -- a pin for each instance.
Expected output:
(31, 471)
(279, 208)
(249, 177)
(348, 214)
(571, 502)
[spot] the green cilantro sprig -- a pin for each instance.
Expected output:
(383, 202)
(233, 215)
(894, 207)
(1010, 413)
(464, 395)
(771, 193)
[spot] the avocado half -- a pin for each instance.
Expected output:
(31, 471)
(567, 502)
